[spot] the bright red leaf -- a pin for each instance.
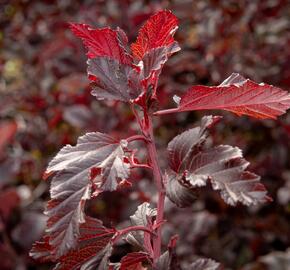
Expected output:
(238, 95)
(103, 42)
(158, 31)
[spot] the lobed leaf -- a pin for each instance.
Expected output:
(93, 248)
(238, 95)
(95, 163)
(204, 264)
(113, 80)
(157, 32)
(141, 217)
(103, 42)
(133, 261)
(192, 165)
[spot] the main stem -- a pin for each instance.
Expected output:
(160, 186)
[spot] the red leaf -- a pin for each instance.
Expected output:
(158, 31)
(7, 131)
(9, 200)
(240, 96)
(103, 42)
(133, 261)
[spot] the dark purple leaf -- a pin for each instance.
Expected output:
(193, 165)
(204, 264)
(96, 162)
(113, 80)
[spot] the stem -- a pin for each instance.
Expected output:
(121, 232)
(136, 138)
(159, 182)
(168, 111)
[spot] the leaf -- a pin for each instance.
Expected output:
(133, 261)
(114, 80)
(103, 42)
(157, 32)
(93, 248)
(192, 165)
(238, 95)
(204, 264)
(96, 162)
(141, 217)
(8, 130)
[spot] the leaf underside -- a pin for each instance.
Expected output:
(193, 165)
(204, 264)
(238, 95)
(94, 164)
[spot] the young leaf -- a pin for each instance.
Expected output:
(114, 80)
(95, 162)
(133, 261)
(143, 214)
(238, 95)
(192, 165)
(204, 264)
(103, 42)
(157, 32)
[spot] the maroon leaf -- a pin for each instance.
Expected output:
(133, 261)
(103, 42)
(158, 31)
(113, 80)
(238, 95)
(192, 165)
(7, 130)
(204, 264)
(71, 185)
(141, 217)
(93, 248)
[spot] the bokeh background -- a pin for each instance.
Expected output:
(45, 102)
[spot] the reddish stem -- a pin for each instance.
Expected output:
(121, 232)
(168, 111)
(159, 182)
(136, 138)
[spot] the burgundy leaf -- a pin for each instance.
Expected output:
(133, 261)
(193, 164)
(103, 42)
(96, 162)
(238, 95)
(7, 130)
(42, 250)
(143, 214)
(93, 248)
(204, 264)
(113, 80)
(158, 31)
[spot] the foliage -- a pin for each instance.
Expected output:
(99, 163)
(54, 106)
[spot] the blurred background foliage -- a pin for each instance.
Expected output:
(45, 102)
